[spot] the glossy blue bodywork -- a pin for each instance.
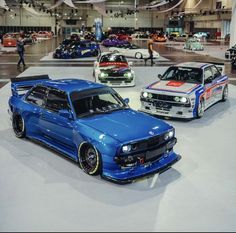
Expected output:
(77, 49)
(114, 42)
(106, 132)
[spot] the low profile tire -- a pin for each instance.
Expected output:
(138, 56)
(90, 160)
(18, 126)
(200, 109)
(225, 93)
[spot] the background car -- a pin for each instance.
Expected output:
(201, 35)
(91, 124)
(44, 34)
(10, 39)
(114, 70)
(185, 90)
(193, 44)
(77, 49)
(230, 52)
(181, 38)
(158, 37)
(113, 41)
(172, 35)
(133, 51)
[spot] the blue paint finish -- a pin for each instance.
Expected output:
(106, 132)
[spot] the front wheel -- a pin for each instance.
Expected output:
(138, 56)
(90, 160)
(200, 109)
(225, 93)
(18, 125)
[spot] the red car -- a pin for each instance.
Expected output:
(44, 34)
(124, 37)
(10, 39)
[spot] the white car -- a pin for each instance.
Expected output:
(114, 70)
(200, 35)
(133, 51)
(185, 90)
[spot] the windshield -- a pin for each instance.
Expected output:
(113, 58)
(96, 101)
(183, 74)
(134, 47)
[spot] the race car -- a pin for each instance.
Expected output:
(113, 70)
(91, 124)
(193, 44)
(185, 90)
(77, 49)
(133, 51)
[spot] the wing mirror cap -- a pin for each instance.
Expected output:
(65, 113)
(159, 76)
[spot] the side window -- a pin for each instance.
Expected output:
(36, 96)
(57, 101)
(208, 76)
(215, 72)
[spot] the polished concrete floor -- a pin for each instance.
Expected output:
(36, 52)
(43, 191)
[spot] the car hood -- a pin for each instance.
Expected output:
(173, 86)
(126, 125)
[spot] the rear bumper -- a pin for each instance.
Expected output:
(133, 174)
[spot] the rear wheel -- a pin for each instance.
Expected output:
(90, 160)
(18, 126)
(200, 109)
(225, 93)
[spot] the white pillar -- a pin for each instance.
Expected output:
(233, 25)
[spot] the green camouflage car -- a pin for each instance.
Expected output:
(193, 44)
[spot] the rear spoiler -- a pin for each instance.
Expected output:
(19, 86)
(220, 66)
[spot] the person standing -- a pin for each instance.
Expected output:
(21, 50)
(150, 51)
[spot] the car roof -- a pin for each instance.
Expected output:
(199, 65)
(71, 85)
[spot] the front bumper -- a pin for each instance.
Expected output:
(117, 82)
(174, 111)
(133, 174)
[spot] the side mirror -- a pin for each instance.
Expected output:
(130, 63)
(126, 100)
(159, 76)
(65, 113)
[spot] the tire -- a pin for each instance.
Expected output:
(225, 93)
(138, 56)
(18, 125)
(95, 53)
(90, 160)
(200, 109)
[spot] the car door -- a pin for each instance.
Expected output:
(35, 100)
(208, 85)
(57, 128)
(217, 86)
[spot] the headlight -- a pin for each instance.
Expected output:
(145, 94)
(128, 75)
(177, 99)
(169, 135)
(103, 75)
(183, 100)
(126, 148)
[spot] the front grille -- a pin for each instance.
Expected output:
(163, 97)
(158, 147)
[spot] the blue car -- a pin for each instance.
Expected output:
(77, 49)
(91, 124)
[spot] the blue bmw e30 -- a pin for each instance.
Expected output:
(91, 124)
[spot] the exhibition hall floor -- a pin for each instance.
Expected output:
(43, 191)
